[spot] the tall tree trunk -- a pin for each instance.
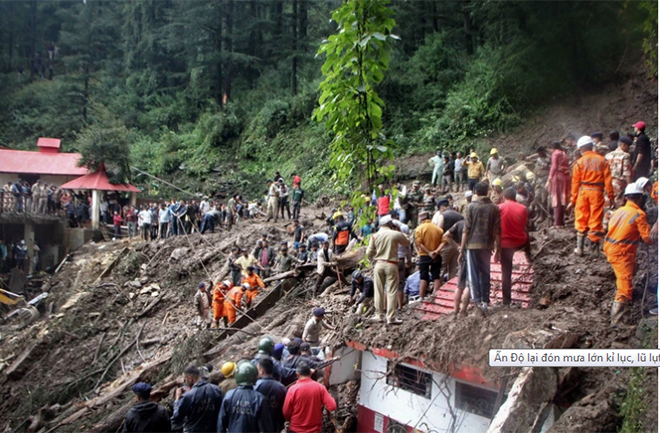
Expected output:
(229, 48)
(467, 28)
(294, 49)
(33, 30)
(218, 46)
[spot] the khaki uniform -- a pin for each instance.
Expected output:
(383, 250)
(621, 169)
(273, 199)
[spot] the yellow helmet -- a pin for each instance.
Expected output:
(474, 155)
(515, 179)
(228, 369)
(529, 175)
(497, 182)
(493, 151)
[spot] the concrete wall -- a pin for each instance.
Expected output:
(75, 237)
(411, 409)
(347, 368)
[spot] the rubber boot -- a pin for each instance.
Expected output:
(619, 309)
(579, 250)
(595, 249)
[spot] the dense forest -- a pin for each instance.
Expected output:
(223, 91)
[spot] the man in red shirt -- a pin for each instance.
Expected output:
(303, 406)
(513, 221)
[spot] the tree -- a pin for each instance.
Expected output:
(356, 58)
(106, 142)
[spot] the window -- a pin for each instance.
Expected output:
(409, 379)
(476, 400)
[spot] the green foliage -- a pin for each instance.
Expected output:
(106, 142)
(635, 404)
(356, 58)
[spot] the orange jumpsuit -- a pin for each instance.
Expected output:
(627, 225)
(255, 283)
(591, 174)
(654, 192)
(232, 301)
(219, 293)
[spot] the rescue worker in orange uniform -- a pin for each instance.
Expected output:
(627, 225)
(591, 175)
(255, 283)
(218, 305)
(654, 192)
(233, 301)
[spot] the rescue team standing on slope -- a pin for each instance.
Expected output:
(252, 396)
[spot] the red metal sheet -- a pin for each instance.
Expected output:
(25, 162)
(522, 277)
(98, 181)
(49, 145)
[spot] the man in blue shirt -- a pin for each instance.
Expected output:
(273, 390)
(198, 408)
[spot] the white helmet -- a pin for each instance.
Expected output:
(633, 189)
(583, 141)
(641, 182)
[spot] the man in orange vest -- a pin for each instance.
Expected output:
(627, 225)
(233, 301)
(591, 176)
(218, 305)
(255, 283)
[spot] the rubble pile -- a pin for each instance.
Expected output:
(122, 312)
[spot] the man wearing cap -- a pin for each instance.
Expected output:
(621, 169)
(405, 257)
(447, 174)
(255, 283)
(284, 261)
(495, 166)
(468, 199)
(481, 236)
(383, 251)
(496, 194)
(273, 200)
(202, 305)
(428, 238)
(438, 163)
(365, 287)
(312, 331)
(475, 170)
(235, 269)
(197, 407)
(146, 415)
(414, 200)
(627, 227)
(641, 158)
(591, 177)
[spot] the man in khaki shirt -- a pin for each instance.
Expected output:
(383, 251)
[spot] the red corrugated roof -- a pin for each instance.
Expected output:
(98, 181)
(442, 302)
(49, 142)
(25, 162)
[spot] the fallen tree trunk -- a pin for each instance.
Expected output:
(112, 264)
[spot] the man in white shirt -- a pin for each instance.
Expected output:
(144, 221)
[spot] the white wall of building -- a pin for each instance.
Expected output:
(411, 409)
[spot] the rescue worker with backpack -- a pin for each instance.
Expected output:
(244, 409)
(343, 234)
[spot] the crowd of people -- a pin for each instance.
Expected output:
(278, 386)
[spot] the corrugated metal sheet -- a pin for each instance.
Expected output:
(442, 302)
(98, 181)
(22, 161)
